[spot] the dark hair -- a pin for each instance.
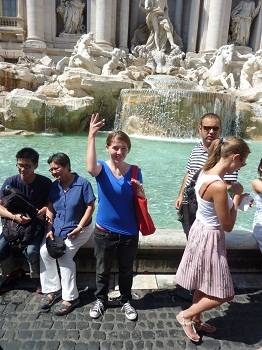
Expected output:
(211, 116)
(60, 159)
(258, 168)
(120, 135)
(224, 148)
(28, 153)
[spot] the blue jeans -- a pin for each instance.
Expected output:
(31, 252)
(109, 245)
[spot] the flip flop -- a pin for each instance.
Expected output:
(185, 324)
(205, 327)
(64, 309)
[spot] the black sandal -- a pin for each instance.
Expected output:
(49, 299)
(63, 309)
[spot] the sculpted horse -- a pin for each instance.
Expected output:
(217, 74)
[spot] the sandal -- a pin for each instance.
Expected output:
(49, 299)
(204, 327)
(185, 324)
(64, 309)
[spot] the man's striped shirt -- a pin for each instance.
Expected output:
(197, 159)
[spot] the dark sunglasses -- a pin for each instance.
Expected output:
(209, 128)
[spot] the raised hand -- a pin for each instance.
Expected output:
(95, 124)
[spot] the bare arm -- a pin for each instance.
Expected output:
(227, 217)
(92, 166)
(257, 186)
(82, 223)
(49, 220)
(19, 218)
(181, 192)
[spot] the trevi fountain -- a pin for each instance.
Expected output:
(150, 67)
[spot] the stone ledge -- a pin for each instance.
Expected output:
(162, 252)
(176, 239)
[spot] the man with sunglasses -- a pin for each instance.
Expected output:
(209, 130)
(35, 188)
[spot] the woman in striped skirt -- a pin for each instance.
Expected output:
(204, 266)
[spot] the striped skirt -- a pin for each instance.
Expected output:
(204, 264)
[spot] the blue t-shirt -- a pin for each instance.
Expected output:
(36, 192)
(116, 209)
(70, 206)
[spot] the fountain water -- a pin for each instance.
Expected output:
(49, 130)
(172, 109)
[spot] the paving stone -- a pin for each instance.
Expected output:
(80, 346)
(96, 325)
(11, 345)
(67, 345)
(98, 335)
(107, 326)
(139, 345)
(52, 345)
(156, 327)
(93, 345)
(128, 345)
(24, 334)
(211, 344)
(105, 345)
(28, 345)
(86, 334)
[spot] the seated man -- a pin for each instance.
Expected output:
(35, 188)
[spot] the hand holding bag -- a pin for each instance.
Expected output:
(56, 247)
(146, 225)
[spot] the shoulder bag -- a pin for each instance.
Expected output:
(146, 224)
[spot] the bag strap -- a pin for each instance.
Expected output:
(202, 195)
(134, 171)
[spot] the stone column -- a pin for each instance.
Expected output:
(216, 31)
(124, 24)
(20, 8)
(104, 23)
(193, 25)
(93, 16)
(178, 16)
(35, 24)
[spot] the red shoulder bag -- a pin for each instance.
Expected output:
(146, 224)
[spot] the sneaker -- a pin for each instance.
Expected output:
(97, 309)
(130, 312)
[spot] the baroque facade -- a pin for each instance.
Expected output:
(52, 27)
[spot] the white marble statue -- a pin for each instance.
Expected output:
(252, 67)
(159, 25)
(87, 54)
(162, 63)
(71, 12)
(242, 16)
(115, 65)
(217, 74)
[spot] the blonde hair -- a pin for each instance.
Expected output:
(223, 148)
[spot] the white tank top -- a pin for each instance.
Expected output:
(206, 210)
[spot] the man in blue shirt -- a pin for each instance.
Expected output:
(35, 188)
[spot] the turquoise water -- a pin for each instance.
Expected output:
(162, 162)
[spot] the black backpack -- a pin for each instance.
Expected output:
(188, 208)
(17, 234)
